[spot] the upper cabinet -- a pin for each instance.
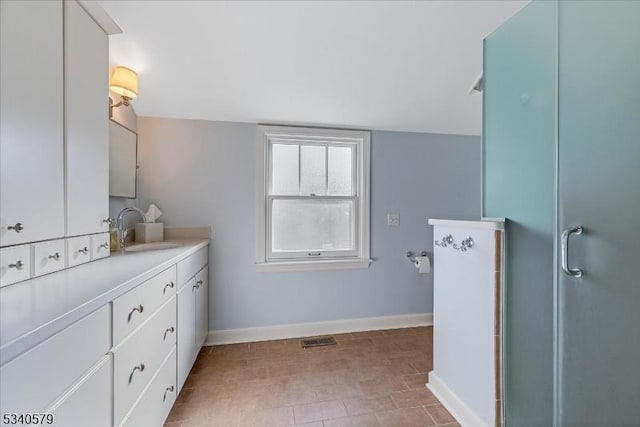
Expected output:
(86, 76)
(54, 146)
(31, 122)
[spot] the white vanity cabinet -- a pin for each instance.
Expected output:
(193, 311)
(86, 77)
(158, 385)
(144, 334)
(31, 122)
(118, 365)
(54, 121)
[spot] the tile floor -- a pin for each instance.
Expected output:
(368, 379)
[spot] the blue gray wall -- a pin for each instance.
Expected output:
(203, 173)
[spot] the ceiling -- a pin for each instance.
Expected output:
(391, 65)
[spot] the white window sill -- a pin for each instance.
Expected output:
(316, 265)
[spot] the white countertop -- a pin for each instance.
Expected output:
(33, 310)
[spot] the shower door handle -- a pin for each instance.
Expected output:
(573, 272)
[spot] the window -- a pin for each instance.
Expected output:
(313, 199)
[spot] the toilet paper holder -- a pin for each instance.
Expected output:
(412, 256)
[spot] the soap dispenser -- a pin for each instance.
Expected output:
(114, 239)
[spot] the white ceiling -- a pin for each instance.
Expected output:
(391, 65)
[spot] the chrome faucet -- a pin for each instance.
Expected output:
(120, 223)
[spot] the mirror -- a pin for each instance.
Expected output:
(123, 156)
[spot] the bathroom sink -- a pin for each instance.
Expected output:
(154, 246)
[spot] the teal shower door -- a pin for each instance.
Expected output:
(519, 163)
(597, 376)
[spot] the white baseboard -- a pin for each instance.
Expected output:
(278, 332)
(460, 411)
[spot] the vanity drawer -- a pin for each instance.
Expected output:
(48, 257)
(155, 403)
(88, 403)
(100, 246)
(138, 358)
(33, 380)
(15, 264)
(134, 307)
(188, 267)
(78, 250)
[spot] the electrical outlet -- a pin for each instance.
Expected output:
(393, 219)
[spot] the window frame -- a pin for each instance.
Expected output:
(360, 141)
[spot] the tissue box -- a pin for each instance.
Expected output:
(149, 232)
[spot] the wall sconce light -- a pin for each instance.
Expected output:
(478, 86)
(124, 82)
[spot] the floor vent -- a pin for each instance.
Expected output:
(317, 342)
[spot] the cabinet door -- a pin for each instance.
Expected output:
(31, 124)
(87, 122)
(186, 330)
(202, 307)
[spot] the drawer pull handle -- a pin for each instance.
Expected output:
(168, 330)
(18, 265)
(105, 245)
(170, 388)
(139, 309)
(55, 256)
(139, 367)
(17, 228)
(168, 285)
(84, 250)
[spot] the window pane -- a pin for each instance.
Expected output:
(339, 171)
(313, 170)
(284, 166)
(312, 225)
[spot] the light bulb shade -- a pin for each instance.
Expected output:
(124, 82)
